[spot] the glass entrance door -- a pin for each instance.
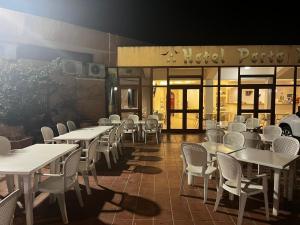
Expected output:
(256, 101)
(184, 108)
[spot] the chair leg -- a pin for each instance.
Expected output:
(265, 189)
(242, 203)
(132, 137)
(205, 188)
(106, 154)
(145, 138)
(182, 182)
(94, 172)
(231, 196)
(156, 138)
(190, 179)
(78, 193)
(219, 196)
(62, 207)
(285, 184)
(86, 182)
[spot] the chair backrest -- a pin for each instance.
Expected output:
(92, 151)
(7, 208)
(119, 132)
(71, 125)
(234, 138)
(61, 128)
(252, 139)
(112, 136)
(230, 169)
(47, 134)
(194, 155)
(135, 118)
(287, 145)
(239, 119)
(151, 124)
(153, 116)
(70, 166)
(5, 145)
(252, 123)
(215, 135)
(103, 122)
(238, 127)
(211, 124)
(129, 124)
(272, 132)
(114, 117)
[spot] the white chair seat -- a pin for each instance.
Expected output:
(197, 171)
(54, 184)
(247, 187)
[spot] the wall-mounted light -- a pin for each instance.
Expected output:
(115, 88)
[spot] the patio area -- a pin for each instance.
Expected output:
(143, 188)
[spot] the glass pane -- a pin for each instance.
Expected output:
(184, 81)
(264, 99)
(129, 81)
(185, 71)
(264, 119)
(283, 102)
(192, 98)
(257, 70)
(160, 102)
(146, 101)
(285, 75)
(160, 77)
(247, 98)
(257, 80)
(192, 120)
(176, 121)
(228, 103)
(229, 76)
(176, 99)
(210, 76)
(129, 98)
(297, 107)
(210, 95)
(298, 75)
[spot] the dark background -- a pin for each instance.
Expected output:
(173, 23)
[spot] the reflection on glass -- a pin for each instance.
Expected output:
(176, 121)
(176, 98)
(184, 81)
(210, 103)
(210, 76)
(257, 80)
(264, 119)
(192, 120)
(129, 98)
(257, 70)
(285, 75)
(283, 102)
(247, 98)
(228, 103)
(192, 98)
(160, 102)
(264, 98)
(297, 107)
(229, 76)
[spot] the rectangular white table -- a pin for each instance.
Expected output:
(212, 148)
(140, 122)
(84, 134)
(274, 160)
(25, 162)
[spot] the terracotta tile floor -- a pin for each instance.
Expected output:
(143, 189)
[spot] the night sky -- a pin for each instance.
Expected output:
(171, 23)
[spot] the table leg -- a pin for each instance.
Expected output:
(249, 169)
(276, 193)
(86, 144)
(28, 199)
(291, 181)
(10, 183)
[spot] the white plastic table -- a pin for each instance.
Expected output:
(212, 148)
(25, 162)
(274, 160)
(84, 134)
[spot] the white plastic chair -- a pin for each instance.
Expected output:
(130, 128)
(211, 124)
(234, 138)
(271, 132)
(119, 135)
(232, 180)
(61, 128)
(7, 208)
(287, 146)
(237, 126)
(135, 118)
(104, 122)
(195, 164)
(239, 119)
(107, 146)
(58, 184)
(252, 123)
(71, 125)
(87, 164)
(215, 135)
(252, 139)
(156, 116)
(151, 127)
(114, 117)
(48, 135)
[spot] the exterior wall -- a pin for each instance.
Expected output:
(25, 29)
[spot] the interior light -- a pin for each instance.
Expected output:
(247, 67)
(115, 88)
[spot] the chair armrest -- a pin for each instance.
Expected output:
(83, 158)
(48, 174)
(258, 176)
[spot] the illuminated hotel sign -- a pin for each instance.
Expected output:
(209, 55)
